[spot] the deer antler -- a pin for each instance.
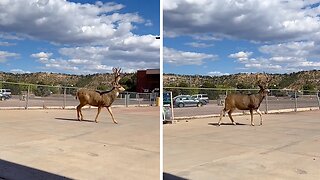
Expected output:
(117, 77)
(258, 80)
(263, 80)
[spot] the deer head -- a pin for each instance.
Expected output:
(263, 84)
(117, 77)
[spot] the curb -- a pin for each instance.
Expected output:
(66, 108)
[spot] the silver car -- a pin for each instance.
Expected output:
(186, 101)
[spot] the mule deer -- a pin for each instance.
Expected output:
(245, 102)
(100, 99)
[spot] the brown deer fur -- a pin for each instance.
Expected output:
(100, 99)
(245, 102)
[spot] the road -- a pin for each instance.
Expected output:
(273, 104)
(52, 144)
(58, 101)
(285, 147)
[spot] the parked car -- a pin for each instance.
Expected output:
(6, 92)
(294, 96)
(202, 97)
(4, 97)
(187, 100)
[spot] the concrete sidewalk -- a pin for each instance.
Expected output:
(51, 144)
(287, 146)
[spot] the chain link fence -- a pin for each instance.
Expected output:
(278, 100)
(28, 96)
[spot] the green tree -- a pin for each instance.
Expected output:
(129, 82)
(308, 88)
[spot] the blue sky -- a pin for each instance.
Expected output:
(78, 37)
(213, 37)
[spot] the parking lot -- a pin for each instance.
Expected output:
(52, 144)
(285, 147)
(58, 101)
(274, 103)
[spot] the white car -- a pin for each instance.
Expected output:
(6, 92)
(201, 97)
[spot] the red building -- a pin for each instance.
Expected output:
(148, 80)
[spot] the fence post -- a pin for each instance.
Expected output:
(126, 99)
(318, 94)
(64, 97)
(295, 101)
(171, 104)
(267, 108)
(138, 98)
(150, 96)
(27, 100)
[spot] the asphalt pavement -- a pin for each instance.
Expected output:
(286, 146)
(52, 144)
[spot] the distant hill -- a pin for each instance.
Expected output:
(307, 80)
(94, 81)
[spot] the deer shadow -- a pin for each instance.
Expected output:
(70, 119)
(227, 124)
(168, 176)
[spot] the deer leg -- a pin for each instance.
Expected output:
(109, 109)
(99, 110)
(251, 113)
(259, 112)
(221, 114)
(79, 112)
(229, 113)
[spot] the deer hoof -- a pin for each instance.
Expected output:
(252, 124)
(115, 122)
(234, 123)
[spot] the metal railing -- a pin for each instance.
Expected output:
(28, 96)
(277, 100)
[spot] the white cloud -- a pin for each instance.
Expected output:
(292, 55)
(62, 21)
(205, 37)
(19, 71)
(295, 48)
(217, 73)
(43, 56)
(135, 52)
(254, 20)
(263, 66)
(4, 55)
(241, 56)
(6, 44)
(90, 37)
(280, 60)
(199, 44)
(309, 64)
(288, 32)
(177, 57)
